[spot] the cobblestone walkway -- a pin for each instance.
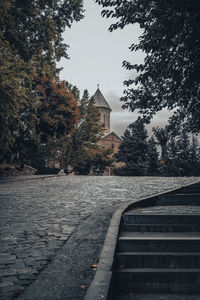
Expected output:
(38, 217)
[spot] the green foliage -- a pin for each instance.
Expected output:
(13, 79)
(83, 151)
(133, 150)
(170, 75)
(36, 27)
(152, 158)
(185, 158)
(30, 45)
(182, 155)
(162, 136)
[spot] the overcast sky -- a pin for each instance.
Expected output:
(96, 57)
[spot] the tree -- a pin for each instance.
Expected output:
(57, 114)
(162, 136)
(152, 158)
(195, 157)
(34, 28)
(170, 75)
(57, 110)
(170, 165)
(181, 153)
(30, 45)
(133, 150)
(13, 76)
(83, 151)
(187, 155)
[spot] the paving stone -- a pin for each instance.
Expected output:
(37, 217)
(27, 276)
(12, 288)
(6, 283)
(7, 272)
(9, 278)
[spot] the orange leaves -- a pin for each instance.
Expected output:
(57, 103)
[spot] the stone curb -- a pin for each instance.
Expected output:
(101, 285)
(27, 178)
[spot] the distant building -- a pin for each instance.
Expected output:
(110, 139)
(104, 109)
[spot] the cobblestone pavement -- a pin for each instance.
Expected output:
(38, 217)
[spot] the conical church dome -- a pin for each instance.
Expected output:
(100, 101)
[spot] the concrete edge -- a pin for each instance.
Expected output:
(100, 286)
(15, 179)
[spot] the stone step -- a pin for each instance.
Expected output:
(160, 227)
(192, 189)
(150, 296)
(158, 280)
(158, 260)
(158, 243)
(131, 217)
(179, 199)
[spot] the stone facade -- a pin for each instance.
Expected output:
(110, 139)
(104, 109)
(105, 118)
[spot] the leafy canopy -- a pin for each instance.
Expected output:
(36, 26)
(133, 149)
(31, 43)
(170, 75)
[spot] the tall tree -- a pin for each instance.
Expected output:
(183, 154)
(83, 151)
(13, 77)
(162, 136)
(170, 165)
(36, 27)
(152, 158)
(30, 45)
(195, 156)
(57, 110)
(133, 150)
(170, 75)
(57, 114)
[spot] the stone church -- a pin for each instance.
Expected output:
(110, 139)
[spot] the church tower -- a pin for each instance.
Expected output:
(104, 109)
(110, 139)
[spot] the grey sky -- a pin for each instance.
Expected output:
(96, 57)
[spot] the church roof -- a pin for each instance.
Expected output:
(100, 101)
(112, 133)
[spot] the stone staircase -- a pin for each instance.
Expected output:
(158, 249)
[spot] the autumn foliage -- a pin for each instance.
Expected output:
(57, 109)
(31, 44)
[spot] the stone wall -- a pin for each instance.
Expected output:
(7, 170)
